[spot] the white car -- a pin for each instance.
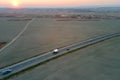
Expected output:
(55, 51)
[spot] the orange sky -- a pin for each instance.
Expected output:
(56, 2)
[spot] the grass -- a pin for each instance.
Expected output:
(40, 37)
(96, 62)
(2, 44)
(9, 29)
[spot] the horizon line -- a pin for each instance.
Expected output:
(64, 6)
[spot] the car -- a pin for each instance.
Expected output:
(68, 49)
(6, 71)
(55, 51)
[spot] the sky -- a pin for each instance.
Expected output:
(56, 3)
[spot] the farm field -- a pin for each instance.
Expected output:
(44, 35)
(9, 29)
(98, 62)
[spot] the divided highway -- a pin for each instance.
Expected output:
(10, 70)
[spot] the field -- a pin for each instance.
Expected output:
(44, 35)
(2, 44)
(96, 62)
(9, 29)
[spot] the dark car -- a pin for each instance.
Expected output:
(6, 71)
(68, 49)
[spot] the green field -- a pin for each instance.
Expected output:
(97, 62)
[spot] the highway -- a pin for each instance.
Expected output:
(39, 59)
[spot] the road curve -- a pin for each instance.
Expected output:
(39, 59)
(15, 38)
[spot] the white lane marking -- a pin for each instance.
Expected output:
(14, 39)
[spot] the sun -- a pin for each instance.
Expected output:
(15, 3)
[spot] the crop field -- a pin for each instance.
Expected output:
(96, 62)
(9, 29)
(44, 35)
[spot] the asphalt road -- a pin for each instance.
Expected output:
(36, 60)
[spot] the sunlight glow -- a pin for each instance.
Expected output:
(15, 3)
(55, 3)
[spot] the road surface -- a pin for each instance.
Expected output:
(39, 59)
